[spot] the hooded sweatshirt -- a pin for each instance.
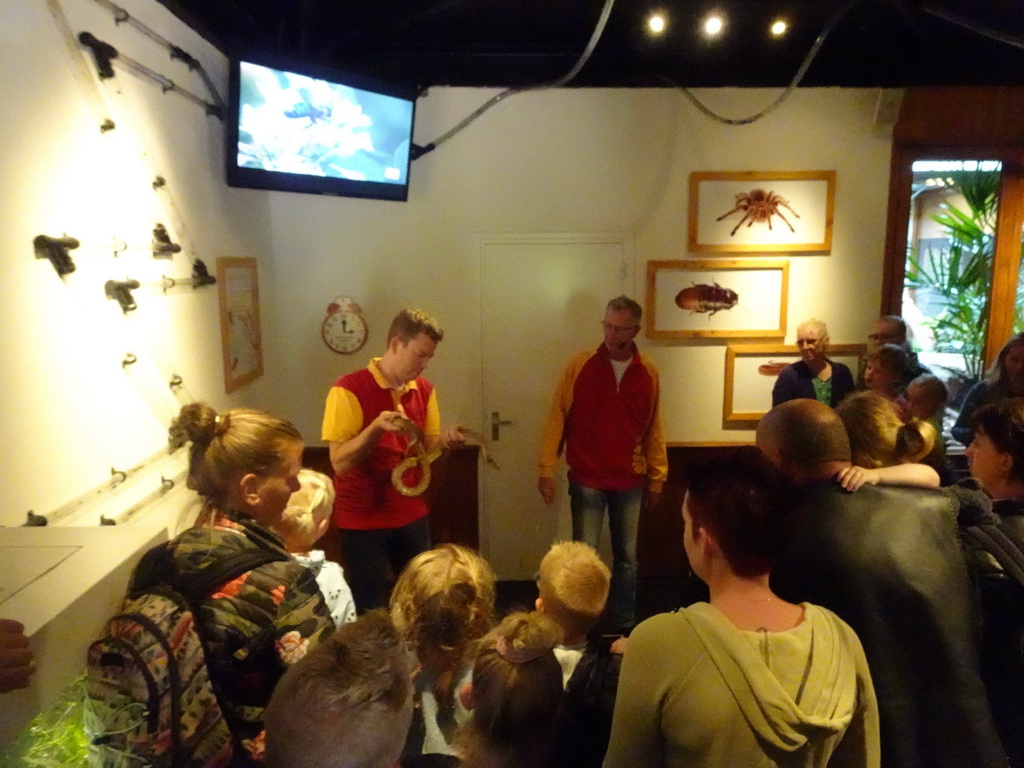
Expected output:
(696, 691)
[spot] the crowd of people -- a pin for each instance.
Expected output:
(847, 606)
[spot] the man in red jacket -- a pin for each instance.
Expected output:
(605, 415)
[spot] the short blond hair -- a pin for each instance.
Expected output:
(410, 323)
(307, 508)
(573, 583)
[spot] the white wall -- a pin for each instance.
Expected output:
(559, 161)
(571, 161)
(554, 161)
(70, 411)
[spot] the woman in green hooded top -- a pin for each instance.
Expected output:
(747, 679)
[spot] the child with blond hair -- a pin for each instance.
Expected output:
(573, 584)
(442, 605)
(303, 523)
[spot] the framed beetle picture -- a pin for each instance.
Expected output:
(766, 212)
(723, 298)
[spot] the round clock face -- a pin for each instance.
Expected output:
(344, 332)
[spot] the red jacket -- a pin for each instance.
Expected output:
(611, 433)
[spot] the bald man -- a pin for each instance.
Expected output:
(888, 561)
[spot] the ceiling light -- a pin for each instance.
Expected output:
(779, 27)
(713, 25)
(656, 23)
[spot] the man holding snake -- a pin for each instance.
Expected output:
(371, 419)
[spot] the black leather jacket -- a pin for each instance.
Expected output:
(889, 562)
(995, 548)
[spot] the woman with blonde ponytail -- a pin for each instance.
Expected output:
(244, 466)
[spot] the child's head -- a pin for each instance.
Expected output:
(516, 693)
(308, 512)
(442, 604)
(926, 397)
(347, 704)
(885, 367)
(878, 436)
(241, 458)
(573, 584)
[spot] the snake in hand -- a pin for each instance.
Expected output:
(423, 459)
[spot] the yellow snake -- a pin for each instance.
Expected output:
(423, 459)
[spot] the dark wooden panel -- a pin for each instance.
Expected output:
(961, 116)
(452, 496)
(660, 539)
(455, 514)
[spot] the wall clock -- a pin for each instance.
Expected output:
(344, 330)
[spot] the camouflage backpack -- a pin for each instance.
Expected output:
(150, 703)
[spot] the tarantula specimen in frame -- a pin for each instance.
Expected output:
(758, 205)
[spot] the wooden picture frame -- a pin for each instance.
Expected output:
(721, 298)
(766, 212)
(241, 341)
(751, 371)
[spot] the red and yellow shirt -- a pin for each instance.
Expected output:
(611, 431)
(365, 498)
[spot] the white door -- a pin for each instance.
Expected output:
(543, 298)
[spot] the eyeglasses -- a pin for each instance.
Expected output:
(880, 336)
(619, 328)
(807, 342)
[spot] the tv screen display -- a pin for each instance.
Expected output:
(300, 128)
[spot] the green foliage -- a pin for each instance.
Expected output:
(56, 737)
(961, 273)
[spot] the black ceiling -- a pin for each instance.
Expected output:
(503, 43)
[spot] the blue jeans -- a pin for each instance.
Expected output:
(587, 506)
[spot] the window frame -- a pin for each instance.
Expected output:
(1006, 257)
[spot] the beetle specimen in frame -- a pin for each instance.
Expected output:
(707, 298)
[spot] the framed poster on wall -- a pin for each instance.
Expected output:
(752, 369)
(767, 212)
(724, 298)
(241, 344)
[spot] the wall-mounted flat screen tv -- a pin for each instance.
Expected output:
(302, 128)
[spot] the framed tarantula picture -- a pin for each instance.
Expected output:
(761, 211)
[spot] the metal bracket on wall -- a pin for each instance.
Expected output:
(34, 521)
(104, 54)
(121, 292)
(56, 250)
(163, 248)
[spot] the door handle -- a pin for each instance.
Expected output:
(497, 423)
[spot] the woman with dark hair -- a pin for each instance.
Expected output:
(1004, 379)
(996, 550)
(747, 679)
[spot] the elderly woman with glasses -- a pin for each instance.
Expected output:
(814, 377)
